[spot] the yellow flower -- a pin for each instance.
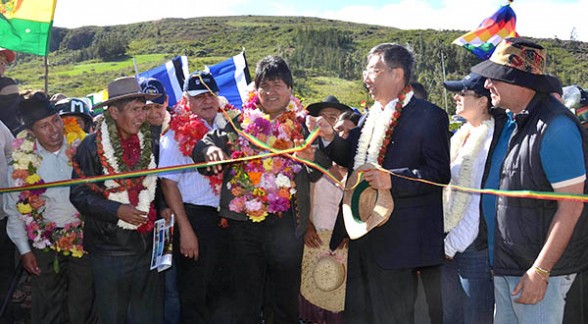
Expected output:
(24, 208)
(77, 253)
(258, 218)
(32, 179)
(267, 164)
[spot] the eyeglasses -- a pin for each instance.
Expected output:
(375, 72)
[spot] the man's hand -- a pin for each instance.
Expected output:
(188, 243)
(532, 288)
(311, 238)
(326, 131)
(131, 215)
(166, 214)
(378, 179)
(307, 153)
(214, 154)
(29, 262)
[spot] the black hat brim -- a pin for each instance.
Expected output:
(315, 108)
(494, 71)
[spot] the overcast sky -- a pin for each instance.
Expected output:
(535, 18)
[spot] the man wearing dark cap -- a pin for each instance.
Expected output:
(119, 213)
(539, 245)
(43, 224)
(78, 109)
(194, 199)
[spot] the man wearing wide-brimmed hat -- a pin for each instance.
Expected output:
(119, 213)
(539, 245)
(45, 227)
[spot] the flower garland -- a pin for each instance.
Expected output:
(31, 205)
(111, 157)
(188, 129)
(265, 186)
(376, 135)
(456, 202)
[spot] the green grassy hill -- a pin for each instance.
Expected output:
(326, 56)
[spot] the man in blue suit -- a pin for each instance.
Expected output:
(408, 137)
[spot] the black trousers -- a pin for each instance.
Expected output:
(127, 292)
(66, 296)
(268, 251)
(431, 279)
(203, 284)
(375, 295)
(6, 270)
(576, 310)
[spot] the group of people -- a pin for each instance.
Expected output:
(248, 219)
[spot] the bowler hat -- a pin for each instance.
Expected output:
(36, 107)
(124, 88)
(518, 61)
(329, 102)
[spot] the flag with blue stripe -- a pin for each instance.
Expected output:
(232, 77)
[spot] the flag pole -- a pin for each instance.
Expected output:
(136, 68)
(443, 56)
(46, 62)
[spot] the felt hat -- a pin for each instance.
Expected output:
(472, 81)
(10, 55)
(36, 107)
(518, 61)
(365, 208)
(124, 88)
(330, 102)
(324, 275)
(200, 82)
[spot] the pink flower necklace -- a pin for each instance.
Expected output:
(265, 186)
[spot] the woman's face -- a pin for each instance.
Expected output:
(469, 105)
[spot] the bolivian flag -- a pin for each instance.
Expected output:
(25, 25)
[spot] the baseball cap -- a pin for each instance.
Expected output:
(153, 86)
(200, 82)
(472, 81)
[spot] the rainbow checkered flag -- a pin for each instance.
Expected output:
(483, 40)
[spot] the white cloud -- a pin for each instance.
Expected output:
(536, 18)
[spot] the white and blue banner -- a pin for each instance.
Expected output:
(232, 77)
(172, 74)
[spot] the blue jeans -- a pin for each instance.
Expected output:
(548, 311)
(467, 288)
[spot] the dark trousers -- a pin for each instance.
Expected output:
(576, 310)
(431, 280)
(6, 270)
(66, 296)
(126, 290)
(201, 282)
(268, 251)
(375, 295)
